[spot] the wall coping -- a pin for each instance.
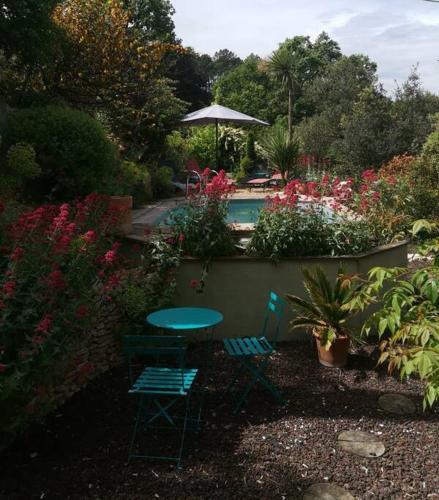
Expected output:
(249, 258)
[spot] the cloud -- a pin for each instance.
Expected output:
(396, 43)
(396, 34)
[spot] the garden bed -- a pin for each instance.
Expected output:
(268, 451)
(239, 286)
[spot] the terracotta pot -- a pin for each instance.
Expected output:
(124, 205)
(337, 355)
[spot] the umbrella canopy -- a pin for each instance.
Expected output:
(219, 114)
(215, 114)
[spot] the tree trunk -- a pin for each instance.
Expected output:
(290, 113)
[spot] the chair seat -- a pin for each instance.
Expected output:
(248, 346)
(164, 381)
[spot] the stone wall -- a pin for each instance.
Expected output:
(97, 352)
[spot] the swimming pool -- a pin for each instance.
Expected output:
(240, 211)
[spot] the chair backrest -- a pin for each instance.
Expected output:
(164, 350)
(273, 317)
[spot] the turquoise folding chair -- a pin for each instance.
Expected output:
(254, 353)
(160, 387)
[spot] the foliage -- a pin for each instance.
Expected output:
(250, 90)
(20, 165)
(231, 145)
(177, 151)
(153, 19)
(134, 180)
(57, 263)
(324, 313)
(111, 67)
(201, 143)
(27, 30)
(72, 149)
(411, 112)
(281, 150)
(408, 319)
(151, 285)
(282, 65)
(367, 133)
(191, 74)
(161, 181)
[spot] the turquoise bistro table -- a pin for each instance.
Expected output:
(188, 319)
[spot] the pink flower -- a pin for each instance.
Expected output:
(81, 311)
(110, 257)
(9, 288)
(37, 339)
(181, 238)
(56, 280)
(43, 326)
(3, 367)
(62, 245)
(90, 236)
(17, 254)
(194, 283)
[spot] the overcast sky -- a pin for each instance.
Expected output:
(396, 34)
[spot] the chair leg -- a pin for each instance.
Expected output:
(235, 377)
(257, 375)
(136, 425)
(179, 467)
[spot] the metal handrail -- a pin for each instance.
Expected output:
(187, 180)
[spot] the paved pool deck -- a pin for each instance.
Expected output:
(145, 218)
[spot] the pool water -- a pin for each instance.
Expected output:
(240, 212)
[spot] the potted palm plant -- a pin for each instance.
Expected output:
(326, 312)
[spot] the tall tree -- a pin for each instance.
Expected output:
(412, 111)
(111, 69)
(367, 133)
(224, 60)
(282, 65)
(296, 63)
(250, 90)
(153, 19)
(192, 76)
(27, 29)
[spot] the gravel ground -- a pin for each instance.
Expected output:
(267, 451)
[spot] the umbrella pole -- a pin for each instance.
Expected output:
(216, 145)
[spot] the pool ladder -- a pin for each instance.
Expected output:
(200, 179)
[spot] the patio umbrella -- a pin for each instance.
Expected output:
(215, 114)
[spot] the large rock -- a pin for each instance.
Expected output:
(361, 443)
(397, 403)
(327, 491)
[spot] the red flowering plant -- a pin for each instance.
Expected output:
(385, 200)
(57, 263)
(202, 227)
(315, 218)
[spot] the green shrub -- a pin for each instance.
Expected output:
(161, 181)
(20, 165)
(134, 180)
(177, 150)
(72, 149)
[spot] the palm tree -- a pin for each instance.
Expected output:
(282, 64)
(281, 150)
(326, 312)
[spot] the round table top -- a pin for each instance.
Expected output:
(185, 318)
